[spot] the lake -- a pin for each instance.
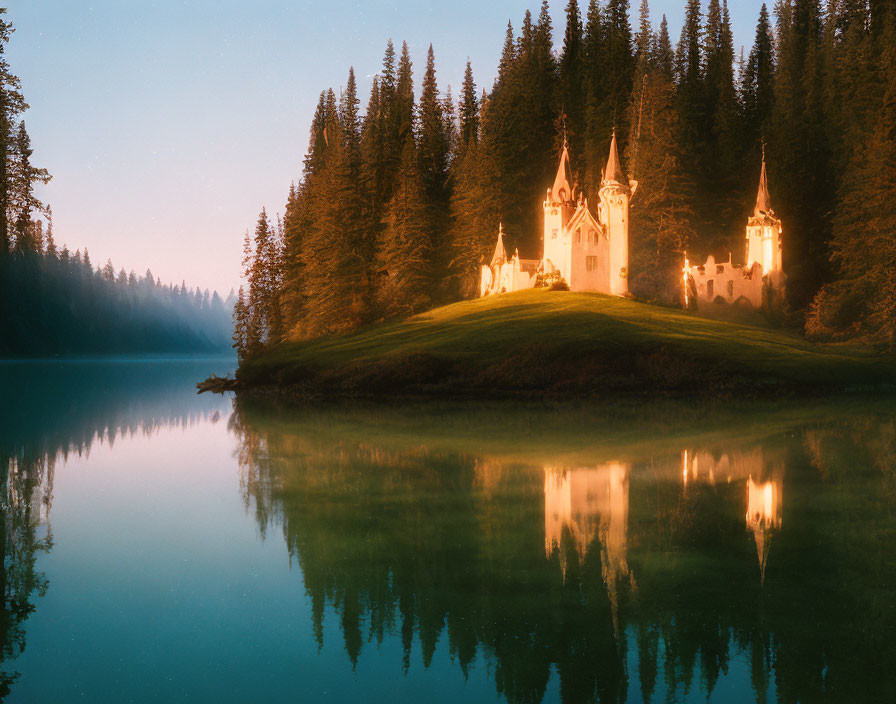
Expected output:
(159, 545)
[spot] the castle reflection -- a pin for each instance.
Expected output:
(619, 567)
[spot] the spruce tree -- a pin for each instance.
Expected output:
(405, 247)
(661, 215)
(572, 93)
(469, 110)
(11, 104)
(757, 82)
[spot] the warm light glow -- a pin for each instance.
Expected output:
(763, 504)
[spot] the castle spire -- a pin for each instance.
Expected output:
(763, 202)
(613, 171)
(500, 253)
(561, 191)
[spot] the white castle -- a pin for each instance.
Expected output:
(757, 284)
(590, 253)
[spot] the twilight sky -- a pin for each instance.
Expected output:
(168, 124)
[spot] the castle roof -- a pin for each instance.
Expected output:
(562, 191)
(613, 172)
(500, 253)
(763, 202)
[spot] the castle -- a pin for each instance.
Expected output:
(590, 253)
(759, 284)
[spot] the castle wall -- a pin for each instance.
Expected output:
(734, 284)
(589, 274)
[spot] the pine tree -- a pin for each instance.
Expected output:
(469, 110)
(476, 209)
(757, 82)
(572, 90)
(661, 217)
(20, 190)
(11, 104)
(405, 249)
(240, 325)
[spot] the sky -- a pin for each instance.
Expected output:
(168, 124)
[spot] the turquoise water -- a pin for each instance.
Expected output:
(160, 546)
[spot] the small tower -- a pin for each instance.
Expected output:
(559, 206)
(764, 231)
(763, 516)
(500, 255)
(615, 193)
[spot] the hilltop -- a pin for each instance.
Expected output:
(558, 344)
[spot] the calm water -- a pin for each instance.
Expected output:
(163, 546)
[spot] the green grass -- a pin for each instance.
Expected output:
(563, 344)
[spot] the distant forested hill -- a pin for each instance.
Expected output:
(57, 304)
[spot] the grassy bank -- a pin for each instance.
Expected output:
(561, 344)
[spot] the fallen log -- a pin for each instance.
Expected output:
(217, 384)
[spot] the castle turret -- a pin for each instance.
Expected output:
(500, 255)
(764, 231)
(615, 193)
(559, 206)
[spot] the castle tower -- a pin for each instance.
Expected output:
(615, 193)
(763, 516)
(764, 231)
(559, 206)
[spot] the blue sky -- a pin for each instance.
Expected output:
(167, 125)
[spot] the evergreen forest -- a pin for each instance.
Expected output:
(54, 302)
(398, 205)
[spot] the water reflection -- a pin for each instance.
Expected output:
(50, 411)
(620, 564)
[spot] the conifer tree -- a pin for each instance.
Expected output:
(572, 95)
(665, 57)
(11, 104)
(469, 110)
(405, 249)
(661, 217)
(21, 190)
(758, 80)
(240, 326)
(476, 210)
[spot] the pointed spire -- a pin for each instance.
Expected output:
(500, 253)
(562, 192)
(763, 202)
(613, 171)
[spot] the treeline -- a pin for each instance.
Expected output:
(56, 303)
(398, 207)
(53, 302)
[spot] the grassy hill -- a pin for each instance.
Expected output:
(562, 344)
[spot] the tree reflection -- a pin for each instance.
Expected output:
(24, 533)
(654, 570)
(52, 411)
